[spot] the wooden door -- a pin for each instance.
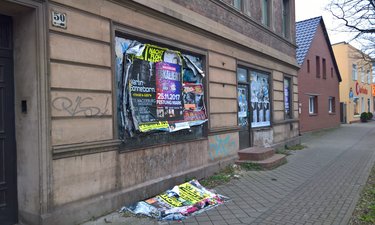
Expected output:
(8, 173)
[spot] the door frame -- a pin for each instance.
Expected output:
(247, 84)
(9, 144)
(34, 158)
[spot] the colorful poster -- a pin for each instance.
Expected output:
(193, 96)
(142, 92)
(195, 112)
(242, 101)
(190, 115)
(150, 93)
(168, 92)
(260, 101)
(161, 125)
(153, 53)
(242, 105)
(179, 203)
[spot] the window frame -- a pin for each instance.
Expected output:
(133, 34)
(369, 105)
(240, 2)
(368, 76)
(245, 82)
(264, 71)
(331, 105)
(354, 72)
(269, 79)
(324, 64)
(308, 66)
(266, 12)
(317, 65)
(290, 97)
(313, 104)
(286, 18)
(356, 106)
(362, 75)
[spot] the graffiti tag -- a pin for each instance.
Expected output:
(220, 147)
(75, 107)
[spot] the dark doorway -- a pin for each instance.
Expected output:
(342, 112)
(243, 95)
(8, 173)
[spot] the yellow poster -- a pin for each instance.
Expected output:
(153, 126)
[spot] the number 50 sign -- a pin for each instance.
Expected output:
(59, 19)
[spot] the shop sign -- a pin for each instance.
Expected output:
(373, 89)
(360, 89)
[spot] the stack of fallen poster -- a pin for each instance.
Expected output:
(178, 203)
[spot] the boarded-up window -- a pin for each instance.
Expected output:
(160, 94)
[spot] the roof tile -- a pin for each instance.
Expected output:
(305, 32)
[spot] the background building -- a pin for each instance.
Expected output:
(355, 88)
(318, 77)
(93, 129)
(373, 87)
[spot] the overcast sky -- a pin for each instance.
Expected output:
(306, 9)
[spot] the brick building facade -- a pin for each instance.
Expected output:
(318, 77)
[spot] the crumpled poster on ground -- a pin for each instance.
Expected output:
(179, 203)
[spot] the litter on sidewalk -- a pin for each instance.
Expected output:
(178, 203)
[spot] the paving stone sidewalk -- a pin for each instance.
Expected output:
(319, 185)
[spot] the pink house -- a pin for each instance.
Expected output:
(318, 77)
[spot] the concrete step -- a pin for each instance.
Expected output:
(266, 164)
(256, 153)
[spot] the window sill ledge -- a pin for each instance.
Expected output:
(79, 149)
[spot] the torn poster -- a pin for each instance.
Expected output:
(168, 92)
(151, 83)
(184, 200)
(142, 92)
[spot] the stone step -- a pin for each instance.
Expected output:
(266, 164)
(256, 153)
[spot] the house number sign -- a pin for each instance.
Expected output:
(59, 19)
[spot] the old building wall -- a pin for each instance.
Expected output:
(89, 164)
(31, 162)
(248, 21)
(27, 122)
